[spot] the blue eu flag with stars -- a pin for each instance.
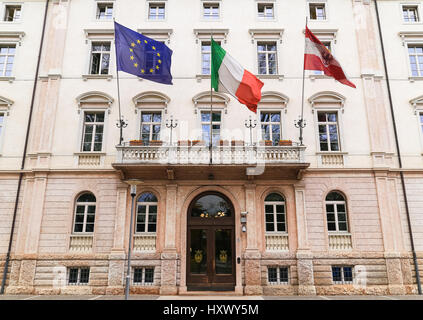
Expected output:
(142, 56)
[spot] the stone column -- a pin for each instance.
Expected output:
(252, 254)
(169, 256)
(118, 255)
(304, 254)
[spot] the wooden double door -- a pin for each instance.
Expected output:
(211, 243)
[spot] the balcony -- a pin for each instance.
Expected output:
(189, 160)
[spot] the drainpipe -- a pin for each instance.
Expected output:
(6, 266)
(416, 266)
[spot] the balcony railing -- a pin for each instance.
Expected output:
(201, 154)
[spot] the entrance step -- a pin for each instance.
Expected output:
(209, 293)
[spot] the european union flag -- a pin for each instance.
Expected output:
(142, 56)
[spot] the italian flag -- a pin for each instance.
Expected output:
(227, 75)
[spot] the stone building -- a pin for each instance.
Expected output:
(268, 216)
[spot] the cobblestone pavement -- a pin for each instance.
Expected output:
(220, 297)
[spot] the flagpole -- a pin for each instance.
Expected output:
(121, 123)
(211, 103)
(301, 123)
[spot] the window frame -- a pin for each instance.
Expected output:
(219, 42)
(147, 214)
(335, 204)
(342, 269)
(98, 3)
(78, 281)
(274, 214)
(150, 4)
(266, 3)
(281, 132)
(418, 9)
(318, 123)
(316, 3)
(152, 123)
(414, 44)
(3, 72)
(84, 224)
(90, 62)
(143, 272)
(210, 18)
(3, 115)
(267, 42)
(278, 275)
(82, 141)
(11, 4)
(220, 123)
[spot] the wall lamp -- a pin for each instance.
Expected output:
(244, 221)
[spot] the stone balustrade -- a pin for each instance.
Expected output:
(340, 241)
(277, 242)
(81, 243)
(145, 243)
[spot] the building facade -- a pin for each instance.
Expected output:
(255, 213)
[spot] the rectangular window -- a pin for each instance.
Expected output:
(206, 57)
(271, 126)
(12, 13)
(211, 10)
(151, 123)
(100, 58)
(328, 46)
(265, 11)
(92, 138)
(416, 60)
(78, 276)
(410, 13)
(216, 125)
(104, 11)
(267, 58)
(317, 11)
(146, 217)
(328, 130)
(143, 276)
(342, 274)
(278, 275)
(156, 11)
(7, 57)
(421, 121)
(2, 123)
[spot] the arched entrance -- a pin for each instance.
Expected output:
(211, 243)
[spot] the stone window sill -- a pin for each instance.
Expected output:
(10, 79)
(412, 79)
(280, 77)
(108, 77)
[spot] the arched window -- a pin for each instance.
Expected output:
(146, 213)
(275, 216)
(85, 213)
(336, 212)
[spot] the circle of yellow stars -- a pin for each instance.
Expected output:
(135, 63)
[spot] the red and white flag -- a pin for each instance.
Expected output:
(318, 57)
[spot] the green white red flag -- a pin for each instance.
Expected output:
(227, 75)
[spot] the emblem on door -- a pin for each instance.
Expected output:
(198, 257)
(223, 256)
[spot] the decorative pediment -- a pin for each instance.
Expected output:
(12, 36)
(94, 99)
(327, 99)
(151, 99)
(417, 103)
(410, 36)
(157, 34)
(218, 34)
(273, 99)
(266, 34)
(99, 34)
(220, 100)
(5, 104)
(324, 34)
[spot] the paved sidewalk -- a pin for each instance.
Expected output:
(187, 297)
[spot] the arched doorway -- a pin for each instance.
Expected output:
(211, 243)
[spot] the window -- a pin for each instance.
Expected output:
(151, 123)
(421, 122)
(205, 126)
(265, 11)
(317, 11)
(211, 11)
(104, 11)
(328, 130)
(78, 276)
(85, 213)
(146, 213)
(206, 57)
(7, 57)
(93, 131)
(267, 58)
(342, 274)
(2, 123)
(277, 275)
(328, 45)
(12, 13)
(143, 276)
(156, 11)
(416, 60)
(274, 208)
(336, 212)
(410, 13)
(271, 126)
(100, 58)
